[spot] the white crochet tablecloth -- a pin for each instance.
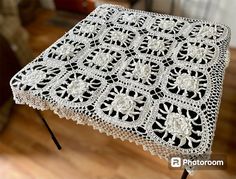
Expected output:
(149, 78)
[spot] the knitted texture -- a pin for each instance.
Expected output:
(149, 78)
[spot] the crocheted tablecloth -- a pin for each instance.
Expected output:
(149, 78)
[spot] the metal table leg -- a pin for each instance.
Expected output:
(185, 174)
(50, 131)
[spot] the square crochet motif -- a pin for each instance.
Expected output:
(149, 78)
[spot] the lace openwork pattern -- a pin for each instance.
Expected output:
(152, 79)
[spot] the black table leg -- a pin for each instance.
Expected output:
(50, 131)
(185, 174)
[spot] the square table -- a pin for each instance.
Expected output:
(149, 78)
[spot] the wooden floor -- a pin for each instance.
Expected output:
(27, 152)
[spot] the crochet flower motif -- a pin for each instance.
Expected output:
(103, 13)
(207, 31)
(167, 25)
(123, 104)
(176, 125)
(119, 36)
(155, 45)
(131, 19)
(187, 83)
(141, 71)
(77, 88)
(100, 12)
(35, 77)
(102, 59)
(65, 50)
(197, 53)
(87, 29)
